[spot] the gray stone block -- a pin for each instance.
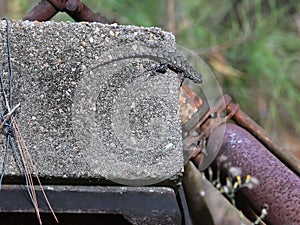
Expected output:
(81, 120)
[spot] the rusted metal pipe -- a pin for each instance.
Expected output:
(43, 11)
(250, 125)
(46, 9)
(242, 119)
(83, 13)
(279, 187)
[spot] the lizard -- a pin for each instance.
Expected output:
(168, 60)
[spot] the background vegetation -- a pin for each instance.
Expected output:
(253, 46)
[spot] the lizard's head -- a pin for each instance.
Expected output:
(195, 76)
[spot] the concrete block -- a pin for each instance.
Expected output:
(81, 120)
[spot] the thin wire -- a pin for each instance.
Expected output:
(2, 85)
(13, 131)
(28, 173)
(21, 161)
(9, 63)
(22, 145)
(7, 142)
(21, 165)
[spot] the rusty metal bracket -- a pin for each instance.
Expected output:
(248, 147)
(46, 9)
(213, 118)
(210, 120)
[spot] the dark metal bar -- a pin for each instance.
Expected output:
(145, 205)
(181, 199)
(64, 218)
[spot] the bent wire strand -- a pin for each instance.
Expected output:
(20, 153)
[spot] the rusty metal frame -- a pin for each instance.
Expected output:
(260, 156)
(242, 119)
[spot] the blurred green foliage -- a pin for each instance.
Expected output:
(253, 46)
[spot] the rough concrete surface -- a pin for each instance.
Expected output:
(79, 121)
